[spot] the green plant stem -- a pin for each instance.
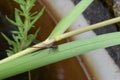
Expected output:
(57, 38)
(91, 27)
(26, 25)
(25, 33)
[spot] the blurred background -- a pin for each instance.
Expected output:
(69, 69)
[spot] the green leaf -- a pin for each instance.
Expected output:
(7, 39)
(31, 37)
(37, 31)
(11, 21)
(17, 39)
(22, 2)
(18, 18)
(31, 4)
(9, 52)
(15, 44)
(33, 1)
(15, 32)
(64, 51)
(36, 17)
(15, 48)
(33, 14)
(23, 8)
(65, 23)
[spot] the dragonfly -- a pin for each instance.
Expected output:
(46, 47)
(54, 48)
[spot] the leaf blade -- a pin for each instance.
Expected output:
(64, 51)
(64, 24)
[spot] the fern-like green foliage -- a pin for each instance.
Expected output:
(21, 38)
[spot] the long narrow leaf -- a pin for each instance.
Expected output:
(7, 39)
(11, 21)
(64, 51)
(36, 17)
(65, 23)
(18, 18)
